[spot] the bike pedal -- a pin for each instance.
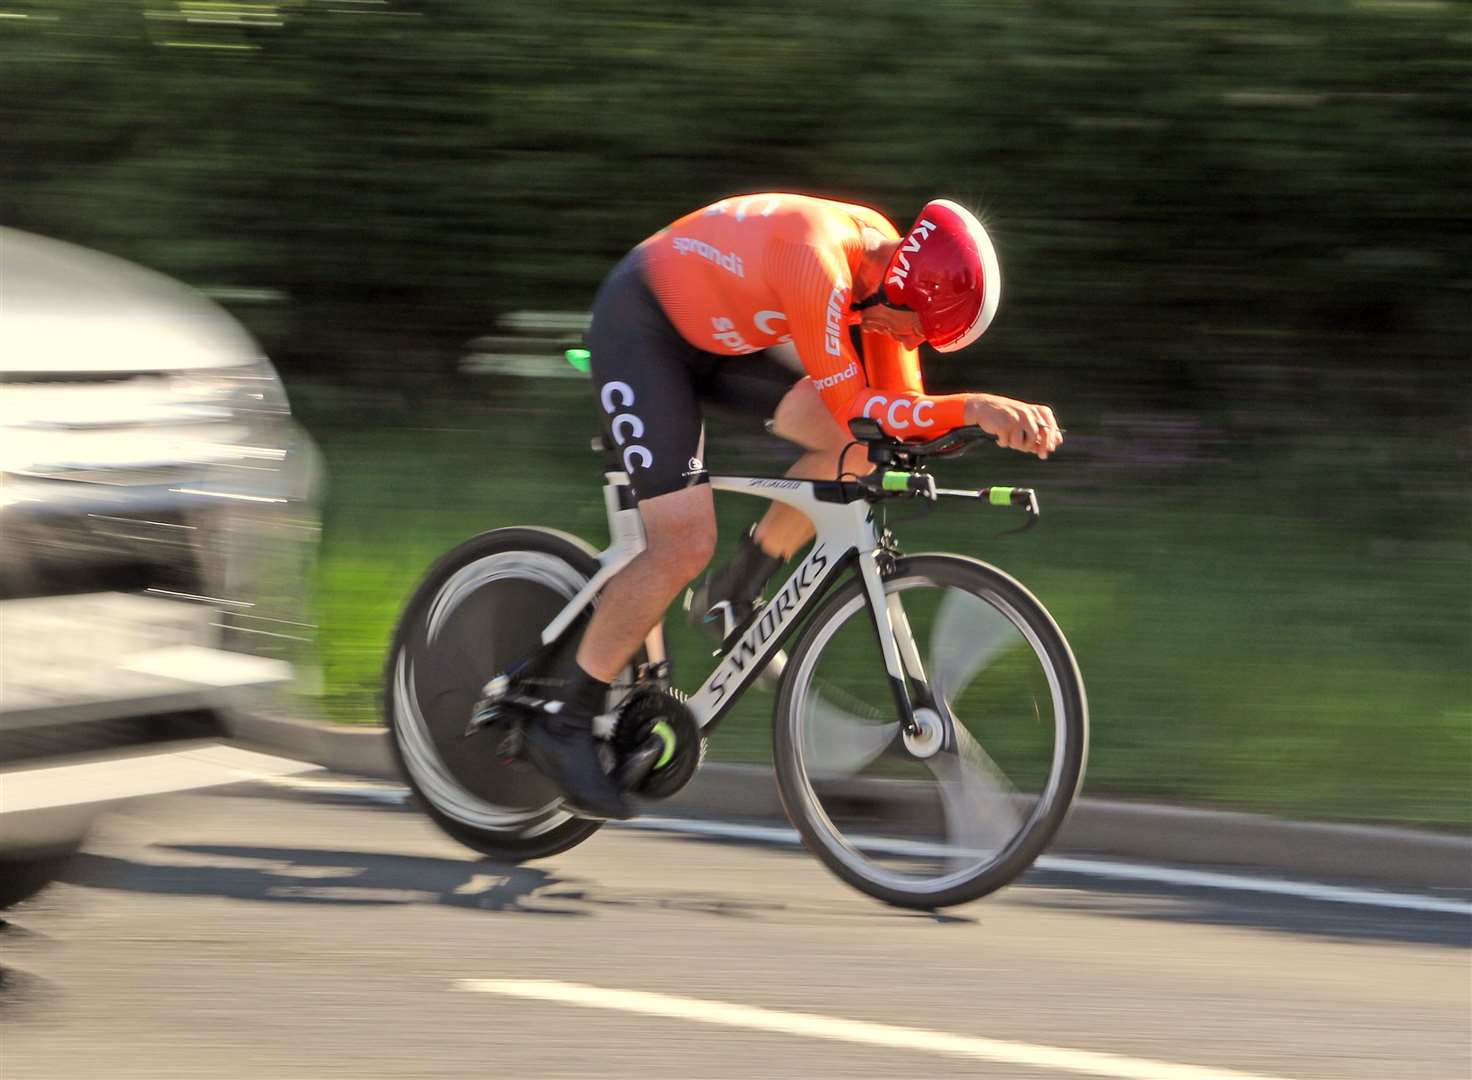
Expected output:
(482, 716)
(512, 745)
(487, 710)
(658, 672)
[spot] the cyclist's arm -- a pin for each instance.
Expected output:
(895, 370)
(816, 291)
(898, 391)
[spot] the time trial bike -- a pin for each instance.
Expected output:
(930, 728)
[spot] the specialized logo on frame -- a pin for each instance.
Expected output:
(773, 619)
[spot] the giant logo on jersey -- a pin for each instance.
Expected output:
(833, 324)
(899, 269)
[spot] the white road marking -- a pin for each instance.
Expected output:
(393, 794)
(1206, 879)
(196, 765)
(815, 1026)
(1101, 868)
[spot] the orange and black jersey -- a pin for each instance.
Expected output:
(753, 271)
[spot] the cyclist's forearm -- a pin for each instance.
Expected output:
(907, 414)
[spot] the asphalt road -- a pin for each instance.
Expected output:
(271, 932)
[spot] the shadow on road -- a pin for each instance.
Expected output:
(313, 876)
(309, 876)
(19, 989)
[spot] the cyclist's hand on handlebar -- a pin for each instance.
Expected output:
(1017, 425)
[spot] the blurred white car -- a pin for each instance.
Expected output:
(157, 532)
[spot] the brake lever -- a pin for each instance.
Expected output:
(1033, 512)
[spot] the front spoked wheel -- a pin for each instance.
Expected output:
(962, 807)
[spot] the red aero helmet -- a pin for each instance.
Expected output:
(945, 270)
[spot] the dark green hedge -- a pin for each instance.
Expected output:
(1195, 201)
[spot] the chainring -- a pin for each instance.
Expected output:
(650, 716)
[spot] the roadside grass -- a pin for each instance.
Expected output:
(1259, 633)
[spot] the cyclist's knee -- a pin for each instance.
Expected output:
(680, 530)
(684, 553)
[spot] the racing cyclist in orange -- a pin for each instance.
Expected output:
(705, 310)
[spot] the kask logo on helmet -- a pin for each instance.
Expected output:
(899, 269)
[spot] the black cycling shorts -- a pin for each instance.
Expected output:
(650, 383)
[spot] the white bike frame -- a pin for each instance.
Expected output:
(845, 534)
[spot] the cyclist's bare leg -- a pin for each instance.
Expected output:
(802, 418)
(680, 536)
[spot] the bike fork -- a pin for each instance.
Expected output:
(896, 643)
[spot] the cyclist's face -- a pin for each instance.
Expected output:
(903, 326)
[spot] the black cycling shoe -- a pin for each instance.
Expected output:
(567, 752)
(724, 603)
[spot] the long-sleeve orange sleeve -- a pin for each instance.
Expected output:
(817, 290)
(896, 396)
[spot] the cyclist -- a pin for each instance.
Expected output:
(706, 309)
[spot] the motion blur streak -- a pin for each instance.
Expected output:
(157, 530)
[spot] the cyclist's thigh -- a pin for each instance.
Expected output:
(643, 378)
(802, 418)
(748, 385)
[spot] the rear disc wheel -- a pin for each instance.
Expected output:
(478, 611)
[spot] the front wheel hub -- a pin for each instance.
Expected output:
(929, 734)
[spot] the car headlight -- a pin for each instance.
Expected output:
(101, 428)
(241, 391)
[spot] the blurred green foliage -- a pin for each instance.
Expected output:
(1237, 254)
(1196, 202)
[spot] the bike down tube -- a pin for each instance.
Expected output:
(843, 528)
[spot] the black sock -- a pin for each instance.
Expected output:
(592, 694)
(582, 692)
